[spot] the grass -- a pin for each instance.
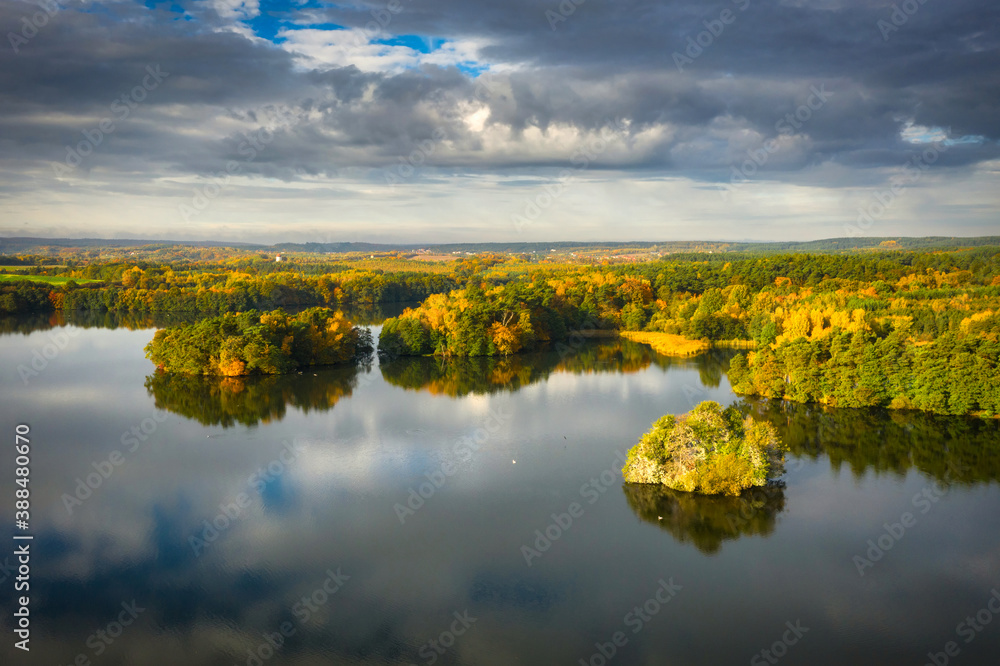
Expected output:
(667, 344)
(57, 280)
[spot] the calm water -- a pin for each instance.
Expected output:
(331, 550)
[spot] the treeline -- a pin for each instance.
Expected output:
(26, 296)
(505, 310)
(130, 288)
(495, 320)
(927, 339)
(752, 298)
(952, 375)
(270, 343)
(696, 273)
(676, 291)
(28, 260)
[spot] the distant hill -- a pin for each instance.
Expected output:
(19, 245)
(877, 243)
(31, 244)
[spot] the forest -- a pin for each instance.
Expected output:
(878, 327)
(900, 330)
(249, 343)
(214, 287)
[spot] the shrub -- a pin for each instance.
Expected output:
(708, 450)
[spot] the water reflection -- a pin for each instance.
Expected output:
(707, 521)
(331, 507)
(954, 451)
(946, 448)
(457, 377)
(228, 401)
(361, 314)
(462, 376)
(252, 400)
(31, 322)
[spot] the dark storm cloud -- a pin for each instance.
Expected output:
(606, 61)
(941, 67)
(85, 58)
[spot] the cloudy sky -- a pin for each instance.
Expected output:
(468, 120)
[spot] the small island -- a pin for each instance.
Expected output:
(250, 343)
(709, 450)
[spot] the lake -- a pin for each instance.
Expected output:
(473, 512)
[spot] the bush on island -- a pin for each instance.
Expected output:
(708, 450)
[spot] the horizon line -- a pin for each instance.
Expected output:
(210, 242)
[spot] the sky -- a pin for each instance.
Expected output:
(517, 120)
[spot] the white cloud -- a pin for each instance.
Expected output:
(236, 10)
(436, 206)
(922, 134)
(323, 49)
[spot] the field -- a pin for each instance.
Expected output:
(57, 280)
(435, 257)
(667, 344)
